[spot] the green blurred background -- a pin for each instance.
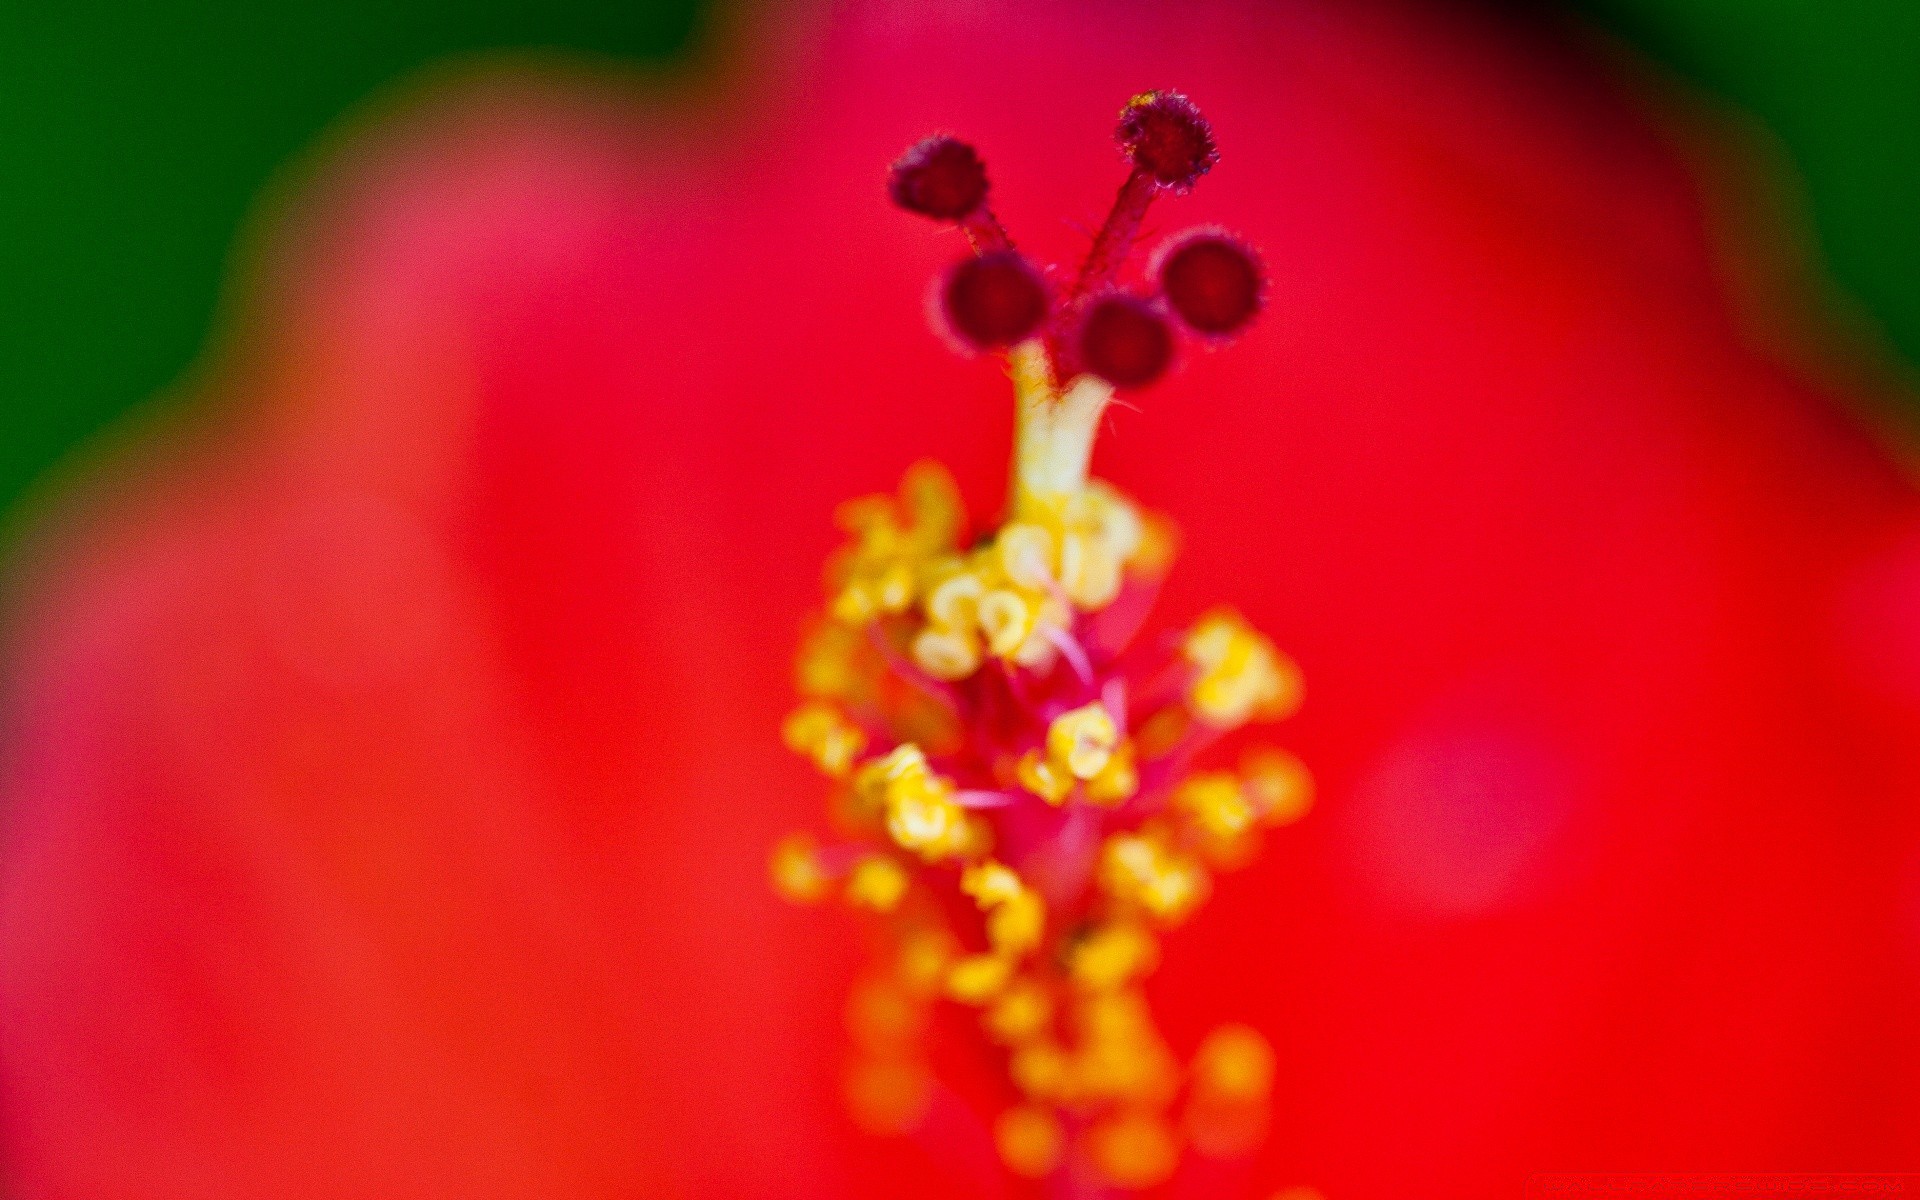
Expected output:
(136, 136)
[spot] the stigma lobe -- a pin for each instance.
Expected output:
(1213, 281)
(1165, 136)
(993, 301)
(1124, 341)
(939, 177)
(1206, 282)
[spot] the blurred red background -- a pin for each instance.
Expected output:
(391, 751)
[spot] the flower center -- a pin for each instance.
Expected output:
(1207, 280)
(1014, 792)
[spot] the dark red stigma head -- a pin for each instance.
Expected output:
(1166, 137)
(1210, 280)
(993, 301)
(939, 177)
(1123, 340)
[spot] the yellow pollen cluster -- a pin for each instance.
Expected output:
(1139, 870)
(1239, 676)
(1223, 812)
(1015, 922)
(877, 882)
(894, 540)
(819, 731)
(1015, 597)
(918, 806)
(1084, 748)
(796, 870)
(1016, 811)
(1015, 913)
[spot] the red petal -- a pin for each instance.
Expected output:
(389, 773)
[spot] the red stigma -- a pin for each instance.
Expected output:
(1124, 341)
(939, 177)
(1212, 280)
(993, 301)
(1167, 138)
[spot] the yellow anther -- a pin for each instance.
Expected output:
(1089, 573)
(882, 1015)
(1139, 1071)
(893, 541)
(1227, 1109)
(954, 603)
(1030, 1140)
(893, 588)
(836, 662)
(1135, 1067)
(1114, 1017)
(1137, 868)
(1041, 1070)
(990, 883)
(1234, 1065)
(888, 1094)
(1007, 620)
(1113, 521)
(1025, 556)
(1039, 776)
(1021, 1013)
(1133, 1149)
(978, 978)
(1127, 861)
(1016, 915)
(877, 883)
(1220, 818)
(949, 647)
(1112, 955)
(1002, 601)
(1122, 1056)
(923, 817)
(1081, 540)
(1118, 780)
(1241, 676)
(1103, 532)
(796, 871)
(1279, 784)
(1216, 804)
(1178, 890)
(925, 955)
(819, 731)
(921, 813)
(1083, 744)
(854, 604)
(1083, 740)
(947, 654)
(1015, 927)
(933, 504)
(869, 516)
(1159, 543)
(1074, 553)
(1038, 652)
(877, 774)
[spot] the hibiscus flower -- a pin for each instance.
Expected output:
(393, 730)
